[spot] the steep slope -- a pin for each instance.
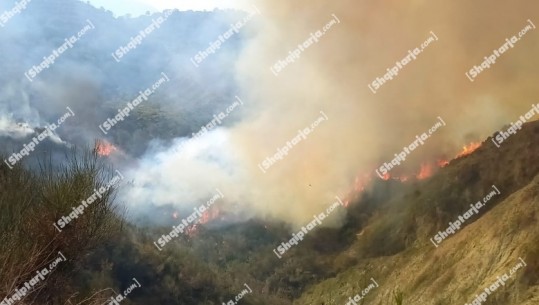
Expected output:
(394, 248)
(459, 268)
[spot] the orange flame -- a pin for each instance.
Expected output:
(105, 148)
(206, 217)
(442, 163)
(427, 169)
(468, 149)
(209, 215)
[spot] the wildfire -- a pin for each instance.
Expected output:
(105, 148)
(468, 149)
(400, 178)
(427, 169)
(206, 217)
(361, 182)
(209, 215)
(442, 163)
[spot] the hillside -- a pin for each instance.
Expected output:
(169, 156)
(462, 265)
(386, 237)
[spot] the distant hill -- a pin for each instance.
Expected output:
(87, 77)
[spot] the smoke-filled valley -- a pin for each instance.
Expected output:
(300, 152)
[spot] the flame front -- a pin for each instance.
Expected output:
(468, 149)
(104, 148)
(427, 169)
(206, 217)
(209, 215)
(442, 163)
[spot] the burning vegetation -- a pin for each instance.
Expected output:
(426, 170)
(104, 148)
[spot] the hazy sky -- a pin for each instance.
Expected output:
(138, 7)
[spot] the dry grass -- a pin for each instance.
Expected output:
(31, 201)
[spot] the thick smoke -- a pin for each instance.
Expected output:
(364, 129)
(87, 79)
